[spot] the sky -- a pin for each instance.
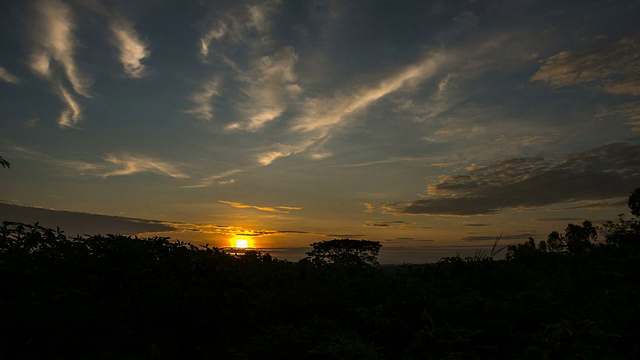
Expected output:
(430, 126)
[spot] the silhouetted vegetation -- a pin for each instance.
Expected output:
(117, 297)
(4, 163)
(345, 252)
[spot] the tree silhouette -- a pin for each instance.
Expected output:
(634, 202)
(345, 252)
(625, 232)
(576, 238)
(4, 163)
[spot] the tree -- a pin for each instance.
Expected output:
(526, 250)
(580, 238)
(576, 238)
(345, 252)
(634, 202)
(624, 232)
(4, 163)
(555, 241)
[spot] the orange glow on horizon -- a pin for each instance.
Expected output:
(241, 243)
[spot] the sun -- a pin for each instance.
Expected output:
(241, 243)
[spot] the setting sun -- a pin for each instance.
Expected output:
(241, 243)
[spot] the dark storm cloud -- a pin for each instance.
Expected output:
(80, 223)
(603, 173)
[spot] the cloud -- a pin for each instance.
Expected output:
(522, 236)
(133, 164)
(209, 181)
(53, 40)
(112, 165)
(289, 207)
(346, 236)
(321, 114)
(73, 113)
(397, 223)
(247, 24)
(215, 33)
(270, 83)
(265, 75)
(563, 219)
(202, 99)
(78, 223)
(629, 110)
(612, 69)
(277, 209)
(281, 150)
(600, 173)
(598, 205)
(132, 49)
(6, 76)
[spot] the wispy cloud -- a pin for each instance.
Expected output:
(265, 76)
(276, 209)
(73, 113)
(122, 165)
(215, 179)
(320, 114)
(215, 33)
(202, 99)
(131, 47)
(597, 174)
(133, 164)
(270, 82)
(281, 150)
(6, 76)
(53, 40)
(319, 117)
(244, 24)
(110, 165)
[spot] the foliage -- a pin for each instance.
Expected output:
(120, 297)
(525, 250)
(634, 203)
(4, 163)
(576, 239)
(345, 252)
(624, 232)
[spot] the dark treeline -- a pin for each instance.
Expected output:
(117, 297)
